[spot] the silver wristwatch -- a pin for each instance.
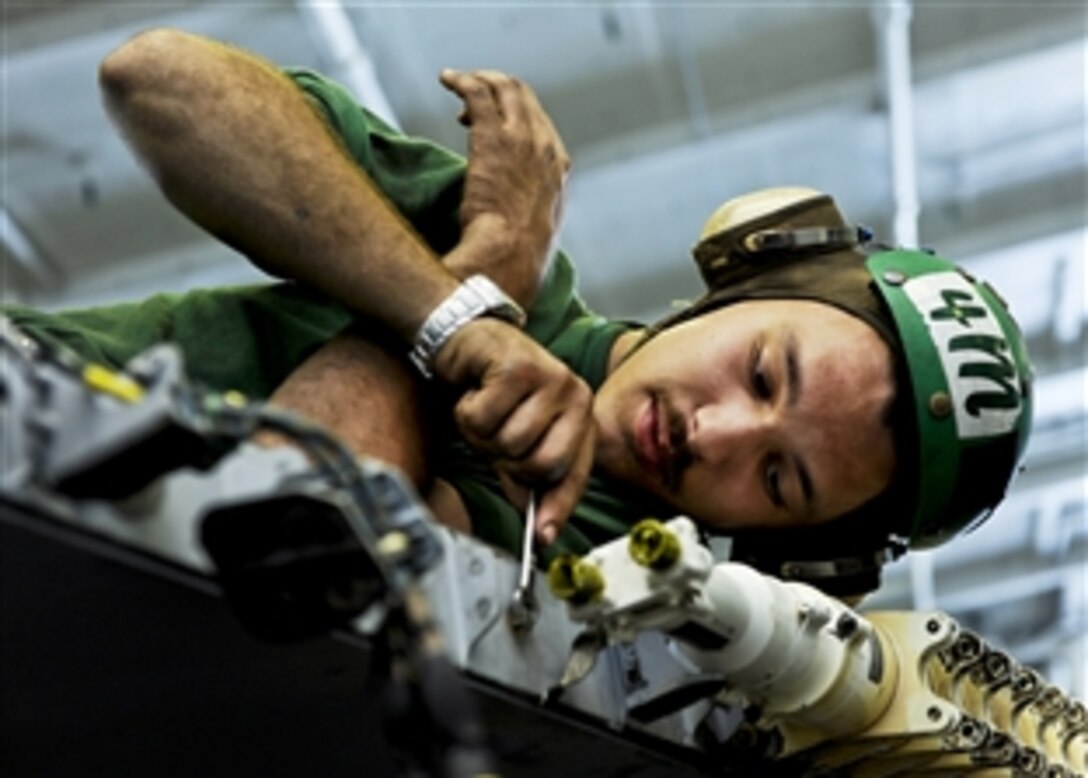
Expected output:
(476, 296)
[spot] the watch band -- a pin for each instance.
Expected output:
(476, 296)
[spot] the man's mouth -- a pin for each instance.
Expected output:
(659, 438)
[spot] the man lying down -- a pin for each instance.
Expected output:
(827, 403)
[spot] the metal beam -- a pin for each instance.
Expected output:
(22, 249)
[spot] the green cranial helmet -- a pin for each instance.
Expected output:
(970, 386)
(963, 377)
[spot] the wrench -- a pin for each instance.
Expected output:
(522, 610)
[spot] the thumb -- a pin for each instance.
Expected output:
(555, 505)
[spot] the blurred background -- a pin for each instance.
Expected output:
(956, 125)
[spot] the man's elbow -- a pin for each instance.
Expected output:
(143, 62)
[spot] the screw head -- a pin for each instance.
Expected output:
(846, 626)
(393, 544)
(940, 405)
(895, 277)
(483, 607)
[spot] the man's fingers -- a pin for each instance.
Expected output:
(558, 467)
(537, 436)
(481, 413)
(560, 437)
(523, 432)
(480, 102)
(511, 95)
(555, 505)
(494, 94)
(521, 110)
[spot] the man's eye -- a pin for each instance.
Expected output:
(761, 385)
(772, 482)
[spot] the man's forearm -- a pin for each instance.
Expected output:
(236, 147)
(359, 386)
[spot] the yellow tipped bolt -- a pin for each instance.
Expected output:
(653, 545)
(118, 385)
(234, 398)
(575, 580)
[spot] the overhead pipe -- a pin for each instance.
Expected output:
(691, 79)
(891, 18)
(24, 251)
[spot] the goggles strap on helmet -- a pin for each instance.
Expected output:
(726, 258)
(828, 238)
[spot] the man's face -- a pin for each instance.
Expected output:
(762, 413)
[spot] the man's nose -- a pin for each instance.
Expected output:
(726, 432)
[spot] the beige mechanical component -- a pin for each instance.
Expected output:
(960, 708)
(888, 694)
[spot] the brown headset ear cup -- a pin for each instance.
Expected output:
(842, 558)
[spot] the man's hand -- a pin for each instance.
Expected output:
(513, 192)
(521, 405)
(527, 410)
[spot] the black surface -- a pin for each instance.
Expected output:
(109, 671)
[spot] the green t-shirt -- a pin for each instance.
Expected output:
(250, 338)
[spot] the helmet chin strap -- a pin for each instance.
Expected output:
(813, 571)
(852, 574)
(842, 563)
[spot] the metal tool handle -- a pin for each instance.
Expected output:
(522, 609)
(528, 558)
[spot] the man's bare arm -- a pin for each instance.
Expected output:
(359, 385)
(236, 147)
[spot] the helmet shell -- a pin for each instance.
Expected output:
(970, 384)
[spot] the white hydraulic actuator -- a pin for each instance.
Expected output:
(793, 651)
(885, 694)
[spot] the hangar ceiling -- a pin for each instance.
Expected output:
(667, 109)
